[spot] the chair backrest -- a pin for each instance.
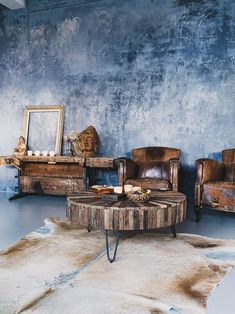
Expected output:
(155, 153)
(228, 156)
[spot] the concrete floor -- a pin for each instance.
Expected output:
(25, 215)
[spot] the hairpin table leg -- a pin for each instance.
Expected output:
(173, 231)
(116, 245)
(89, 228)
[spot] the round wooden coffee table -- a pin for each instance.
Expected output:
(164, 209)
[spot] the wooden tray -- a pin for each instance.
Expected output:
(102, 191)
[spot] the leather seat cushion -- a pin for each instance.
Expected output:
(154, 169)
(221, 192)
(230, 173)
(153, 184)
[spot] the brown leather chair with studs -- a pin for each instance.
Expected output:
(152, 168)
(215, 183)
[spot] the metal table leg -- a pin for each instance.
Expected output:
(89, 228)
(116, 245)
(17, 195)
(173, 231)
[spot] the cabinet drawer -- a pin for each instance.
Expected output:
(54, 170)
(54, 186)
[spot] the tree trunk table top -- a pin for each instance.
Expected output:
(162, 210)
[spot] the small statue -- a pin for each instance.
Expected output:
(84, 144)
(73, 140)
(88, 142)
(67, 144)
(21, 148)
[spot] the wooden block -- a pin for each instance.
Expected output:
(100, 162)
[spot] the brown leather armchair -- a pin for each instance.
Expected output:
(151, 167)
(215, 183)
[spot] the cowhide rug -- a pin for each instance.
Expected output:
(62, 269)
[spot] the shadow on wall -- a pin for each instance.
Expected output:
(216, 156)
(108, 177)
(187, 181)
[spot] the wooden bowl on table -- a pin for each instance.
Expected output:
(139, 196)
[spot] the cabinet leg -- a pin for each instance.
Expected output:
(17, 195)
(89, 228)
(197, 210)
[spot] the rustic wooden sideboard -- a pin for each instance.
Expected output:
(59, 175)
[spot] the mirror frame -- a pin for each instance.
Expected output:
(60, 123)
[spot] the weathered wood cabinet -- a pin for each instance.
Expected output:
(59, 175)
(63, 177)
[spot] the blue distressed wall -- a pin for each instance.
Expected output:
(143, 72)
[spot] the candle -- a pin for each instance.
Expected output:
(128, 188)
(117, 189)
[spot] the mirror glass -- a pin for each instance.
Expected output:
(43, 128)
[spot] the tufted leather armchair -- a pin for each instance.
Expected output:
(151, 167)
(215, 183)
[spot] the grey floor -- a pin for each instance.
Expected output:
(22, 216)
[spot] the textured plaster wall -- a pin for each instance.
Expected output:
(143, 72)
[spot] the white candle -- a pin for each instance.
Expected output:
(128, 188)
(118, 189)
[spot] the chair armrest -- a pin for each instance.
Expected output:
(126, 169)
(209, 170)
(174, 173)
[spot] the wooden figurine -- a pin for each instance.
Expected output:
(89, 142)
(86, 143)
(21, 148)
